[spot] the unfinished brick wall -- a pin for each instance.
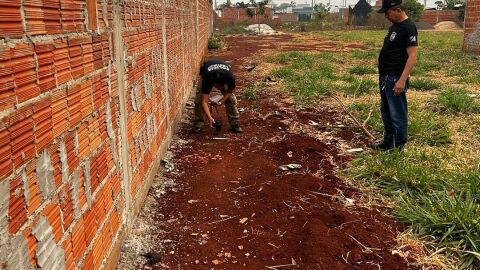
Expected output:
(435, 16)
(90, 91)
(241, 15)
(471, 41)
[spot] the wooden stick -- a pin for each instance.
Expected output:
(354, 118)
(222, 220)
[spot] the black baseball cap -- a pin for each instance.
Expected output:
(387, 4)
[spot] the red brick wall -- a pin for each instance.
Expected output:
(89, 94)
(433, 16)
(286, 17)
(240, 14)
(472, 27)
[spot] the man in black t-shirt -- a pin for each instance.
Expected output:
(218, 74)
(396, 61)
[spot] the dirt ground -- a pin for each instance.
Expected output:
(228, 205)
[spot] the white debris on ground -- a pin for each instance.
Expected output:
(144, 235)
(264, 29)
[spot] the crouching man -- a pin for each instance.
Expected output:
(218, 74)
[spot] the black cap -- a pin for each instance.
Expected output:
(387, 4)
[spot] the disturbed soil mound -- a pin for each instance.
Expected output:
(233, 207)
(447, 25)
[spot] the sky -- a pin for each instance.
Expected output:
(430, 3)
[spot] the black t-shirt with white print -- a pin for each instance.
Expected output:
(216, 72)
(393, 55)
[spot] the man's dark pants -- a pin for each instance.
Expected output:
(394, 111)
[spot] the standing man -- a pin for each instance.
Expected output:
(396, 61)
(218, 74)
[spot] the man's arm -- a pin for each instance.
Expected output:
(412, 59)
(204, 101)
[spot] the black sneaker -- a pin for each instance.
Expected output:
(236, 128)
(380, 146)
(197, 130)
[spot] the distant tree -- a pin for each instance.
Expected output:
(451, 4)
(321, 11)
(461, 14)
(250, 12)
(413, 9)
(253, 3)
(261, 7)
(241, 5)
(228, 3)
(293, 4)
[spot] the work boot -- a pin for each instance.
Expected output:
(380, 146)
(236, 128)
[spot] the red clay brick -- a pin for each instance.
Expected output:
(78, 240)
(17, 210)
(31, 246)
(42, 119)
(52, 213)
(10, 19)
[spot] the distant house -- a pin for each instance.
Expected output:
(359, 13)
(304, 12)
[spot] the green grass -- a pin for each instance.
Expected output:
(360, 86)
(457, 100)
(422, 84)
(453, 221)
(427, 128)
(362, 70)
(213, 43)
(364, 54)
(252, 92)
(471, 79)
(434, 187)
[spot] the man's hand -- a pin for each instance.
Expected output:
(399, 87)
(211, 122)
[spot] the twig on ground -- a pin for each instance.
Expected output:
(364, 124)
(323, 194)
(291, 207)
(273, 245)
(353, 117)
(346, 258)
(274, 267)
(365, 248)
(222, 220)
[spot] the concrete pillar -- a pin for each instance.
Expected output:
(119, 53)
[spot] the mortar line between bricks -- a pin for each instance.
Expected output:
(46, 38)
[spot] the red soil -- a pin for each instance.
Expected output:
(296, 215)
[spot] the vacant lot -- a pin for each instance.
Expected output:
(434, 185)
(231, 207)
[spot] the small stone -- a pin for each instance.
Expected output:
(240, 247)
(216, 262)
